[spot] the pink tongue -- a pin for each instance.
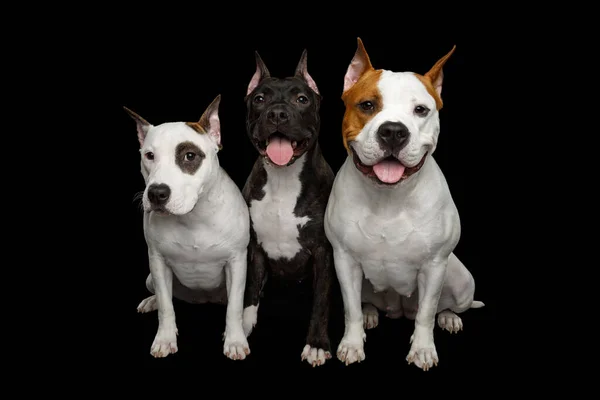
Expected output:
(280, 150)
(389, 171)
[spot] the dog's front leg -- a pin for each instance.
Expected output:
(165, 341)
(430, 281)
(350, 276)
(236, 344)
(254, 284)
(317, 349)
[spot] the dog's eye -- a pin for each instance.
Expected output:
(190, 156)
(367, 106)
(149, 156)
(421, 111)
(302, 99)
(259, 99)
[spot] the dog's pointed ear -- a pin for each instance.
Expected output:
(261, 73)
(302, 72)
(142, 125)
(210, 123)
(358, 66)
(436, 74)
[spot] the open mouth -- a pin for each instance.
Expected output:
(388, 171)
(280, 150)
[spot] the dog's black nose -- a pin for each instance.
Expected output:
(394, 134)
(278, 115)
(158, 194)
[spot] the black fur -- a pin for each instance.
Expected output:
(313, 264)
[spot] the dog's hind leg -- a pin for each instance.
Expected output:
(182, 293)
(457, 295)
(449, 321)
(149, 303)
(371, 302)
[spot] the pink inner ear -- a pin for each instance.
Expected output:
(215, 128)
(254, 81)
(142, 130)
(355, 70)
(437, 84)
(311, 82)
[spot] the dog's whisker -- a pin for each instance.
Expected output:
(138, 195)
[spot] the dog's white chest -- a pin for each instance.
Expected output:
(196, 256)
(390, 252)
(277, 227)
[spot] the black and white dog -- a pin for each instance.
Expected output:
(287, 194)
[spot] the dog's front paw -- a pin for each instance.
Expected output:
(449, 321)
(422, 352)
(249, 319)
(165, 343)
(351, 349)
(147, 305)
(370, 316)
(315, 356)
(236, 347)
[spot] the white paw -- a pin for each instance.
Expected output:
(315, 356)
(147, 305)
(236, 347)
(449, 321)
(422, 353)
(370, 316)
(351, 349)
(165, 343)
(249, 319)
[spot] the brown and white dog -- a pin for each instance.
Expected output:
(390, 217)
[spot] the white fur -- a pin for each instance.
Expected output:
(250, 318)
(162, 140)
(204, 239)
(400, 93)
(273, 219)
(400, 238)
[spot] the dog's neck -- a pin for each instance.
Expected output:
(280, 177)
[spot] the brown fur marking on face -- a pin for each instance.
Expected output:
(433, 75)
(431, 90)
(365, 89)
(196, 126)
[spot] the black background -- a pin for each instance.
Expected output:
(172, 71)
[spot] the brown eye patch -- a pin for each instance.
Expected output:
(188, 157)
(363, 102)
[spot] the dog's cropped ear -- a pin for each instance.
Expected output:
(302, 72)
(358, 66)
(142, 125)
(261, 73)
(210, 122)
(436, 74)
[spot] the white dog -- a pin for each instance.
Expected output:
(390, 218)
(196, 225)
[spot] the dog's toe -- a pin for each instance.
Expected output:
(236, 349)
(314, 356)
(449, 321)
(370, 316)
(147, 305)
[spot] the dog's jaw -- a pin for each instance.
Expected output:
(367, 169)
